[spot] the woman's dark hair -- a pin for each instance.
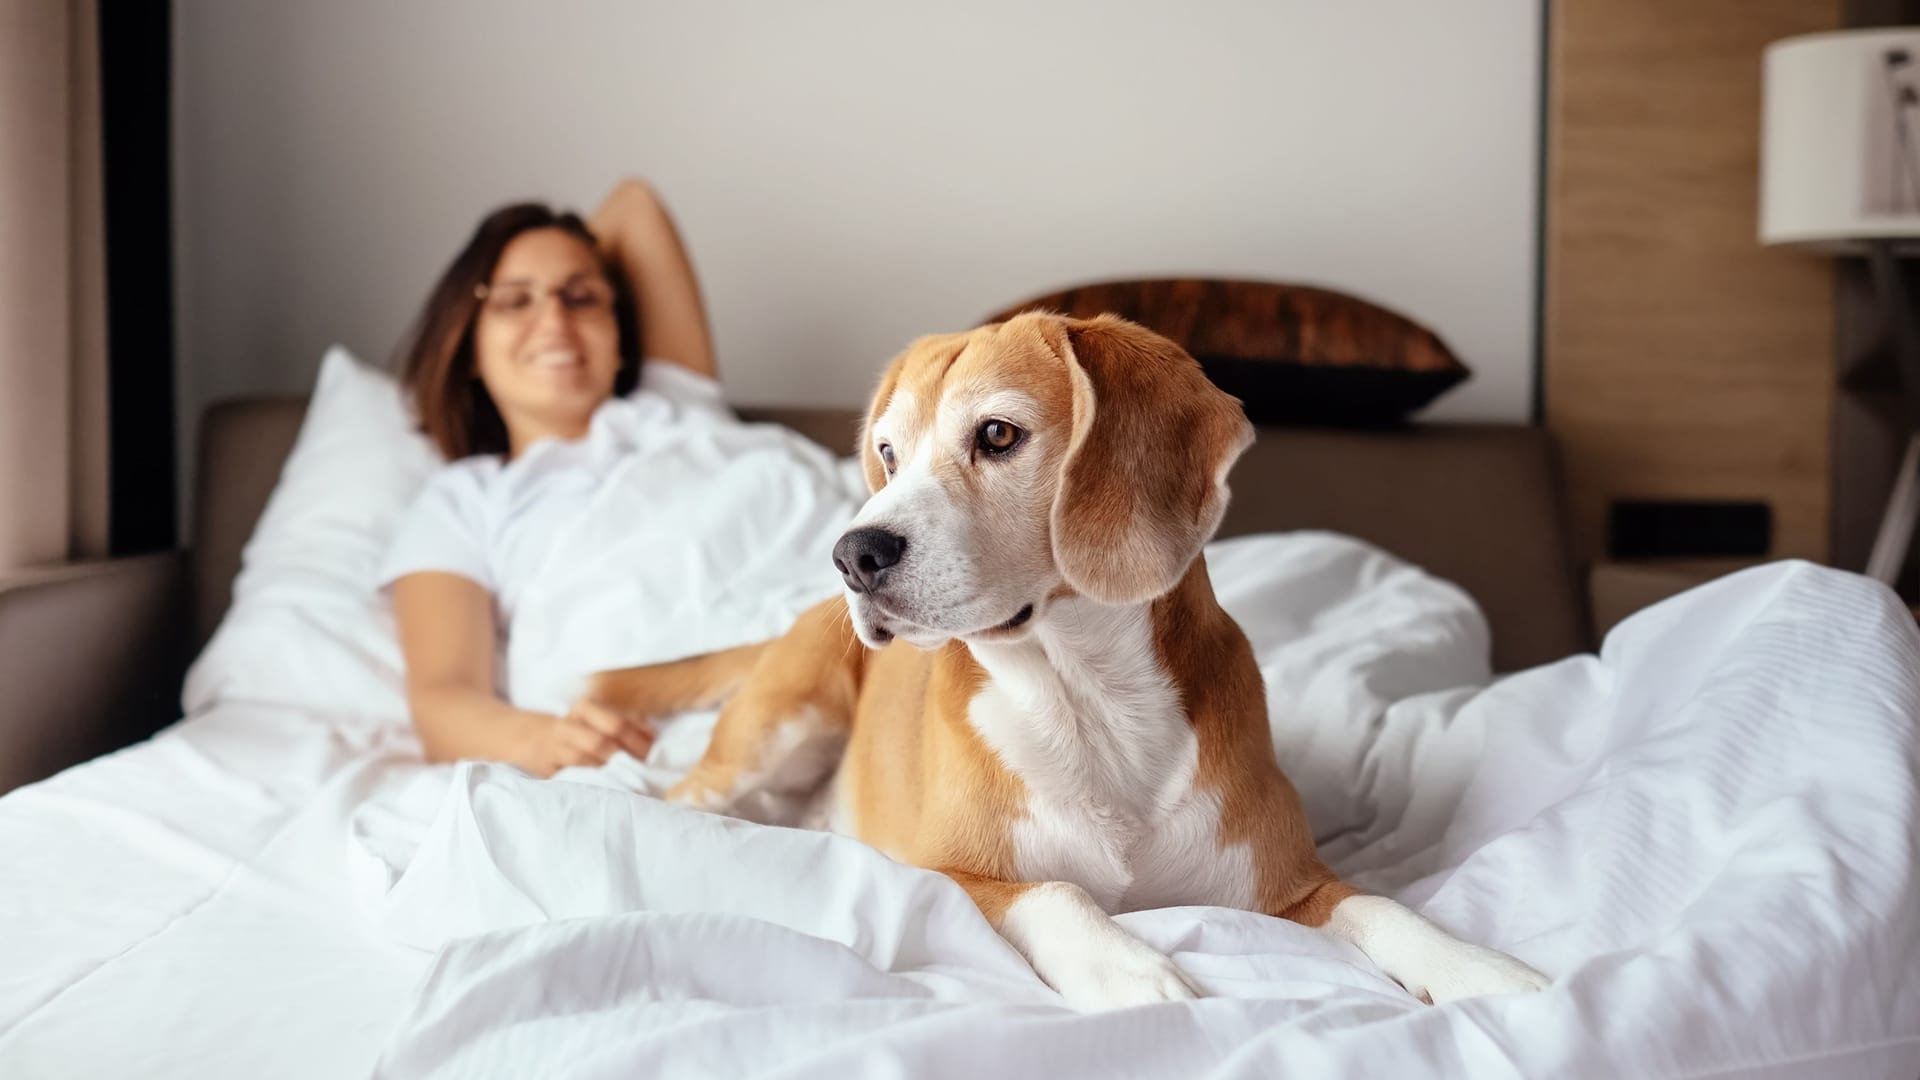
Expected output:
(437, 363)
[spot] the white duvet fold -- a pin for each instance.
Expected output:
(701, 533)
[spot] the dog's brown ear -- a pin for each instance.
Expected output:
(1144, 484)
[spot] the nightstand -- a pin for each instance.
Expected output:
(1616, 590)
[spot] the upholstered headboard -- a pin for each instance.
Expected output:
(1476, 504)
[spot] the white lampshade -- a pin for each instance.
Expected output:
(1840, 140)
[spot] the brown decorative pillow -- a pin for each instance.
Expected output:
(1292, 354)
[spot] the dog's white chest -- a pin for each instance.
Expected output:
(1096, 732)
(1131, 864)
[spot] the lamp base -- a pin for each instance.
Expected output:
(1895, 538)
(1891, 544)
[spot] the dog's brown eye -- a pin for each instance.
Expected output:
(886, 457)
(997, 437)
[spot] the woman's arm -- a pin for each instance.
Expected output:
(637, 232)
(447, 636)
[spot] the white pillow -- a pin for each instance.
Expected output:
(306, 626)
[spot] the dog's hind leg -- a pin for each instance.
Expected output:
(780, 736)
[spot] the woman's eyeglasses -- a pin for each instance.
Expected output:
(520, 300)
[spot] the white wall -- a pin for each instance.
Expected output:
(850, 174)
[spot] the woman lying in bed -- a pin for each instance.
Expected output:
(539, 321)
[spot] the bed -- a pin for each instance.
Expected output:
(1706, 832)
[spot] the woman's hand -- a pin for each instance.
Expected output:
(588, 734)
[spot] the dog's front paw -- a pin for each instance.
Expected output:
(1086, 956)
(1433, 965)
(695, 795)
(1470, 971)
(1116, 978)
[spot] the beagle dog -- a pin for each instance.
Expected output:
(1029, 685)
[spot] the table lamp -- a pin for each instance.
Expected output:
(1840, 175)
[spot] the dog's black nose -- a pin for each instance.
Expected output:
(863, 555)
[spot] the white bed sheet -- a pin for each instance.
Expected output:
(183, 907)
(1707, 834)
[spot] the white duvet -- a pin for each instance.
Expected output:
(1706, 835)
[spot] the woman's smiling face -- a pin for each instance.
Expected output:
(546, 343)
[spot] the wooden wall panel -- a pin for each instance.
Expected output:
(1681, 359)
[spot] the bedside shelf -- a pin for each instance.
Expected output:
(1616, 590)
